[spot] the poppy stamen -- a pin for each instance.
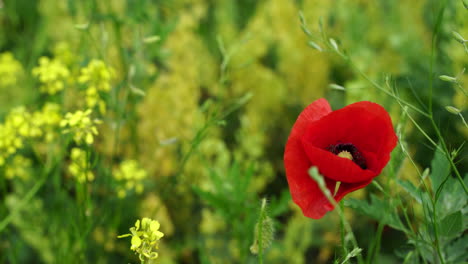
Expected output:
(348, 151)
(345, 154)
(337, 187)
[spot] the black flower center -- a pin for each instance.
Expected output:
(348, 149)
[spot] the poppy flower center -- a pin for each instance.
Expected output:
(345, 154)
(348, 151)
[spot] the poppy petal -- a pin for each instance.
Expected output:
(316, 110)
(334, 167)
(317, 205)
(364, 124)
(346, 188)
(303, 188)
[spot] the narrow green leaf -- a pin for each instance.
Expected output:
(411, 189)
(213, 200)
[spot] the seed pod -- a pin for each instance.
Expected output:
(452, 110)
(458, 37)
(447, 78)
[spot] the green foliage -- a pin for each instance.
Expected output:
(113, 111)
(378, 209)
(440, 169)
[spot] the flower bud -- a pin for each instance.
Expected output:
(335, 86)
(452, 110)
(334, 44)
(447, 78)
(151, 39)
(264, 231)
(458, 37)
(315, 46)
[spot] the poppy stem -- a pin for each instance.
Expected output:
(342, 232)
(314, 173)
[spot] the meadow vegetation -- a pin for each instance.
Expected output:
(154, 131)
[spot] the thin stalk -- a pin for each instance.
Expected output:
(440, 17)
(419, 128)
(447, 155)
(313, 172)
(348, 59)
(6, 221)
(375, 246)
(342, 232)
(436, 234)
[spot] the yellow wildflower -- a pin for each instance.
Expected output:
(52, 74)
(48, 119)
(18, 168)
(129, 175)
(9, 69)
(18, 125)
(145, 238)
(79, 167)
(81, 126)
(97, 76)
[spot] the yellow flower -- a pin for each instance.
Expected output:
(97, 77)
(81, 126)
(18, 168)
(52, 74)
(145, 238)
(18, 126)
(9, 69)
(129, 176)
(79, 167)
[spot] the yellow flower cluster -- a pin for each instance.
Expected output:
(20, 125)
(79, 167)
(49, 119)
(145, 238)
(97, 76)
(52, 74)
(81, 126)
(9, 69)
(12, 133)
(63, 53)
(18, 168)
(129, 175)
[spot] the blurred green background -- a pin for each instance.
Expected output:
(204, 96)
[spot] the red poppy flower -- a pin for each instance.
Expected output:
(350, 145)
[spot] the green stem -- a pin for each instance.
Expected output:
(342, 232)
(436, 233)
(348, 59)
(6, 221)
(375, 246)
(313, 172)
(447, 155)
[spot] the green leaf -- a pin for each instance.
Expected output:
(457, 251)
(451, 225)
(411, 189)
(280, 205)
(452, 198)
(440, 169)
(214, 200)
(379, 210)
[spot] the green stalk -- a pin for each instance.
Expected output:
(375, 246)
(313, 172)
(342, 232)
(6, 221)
